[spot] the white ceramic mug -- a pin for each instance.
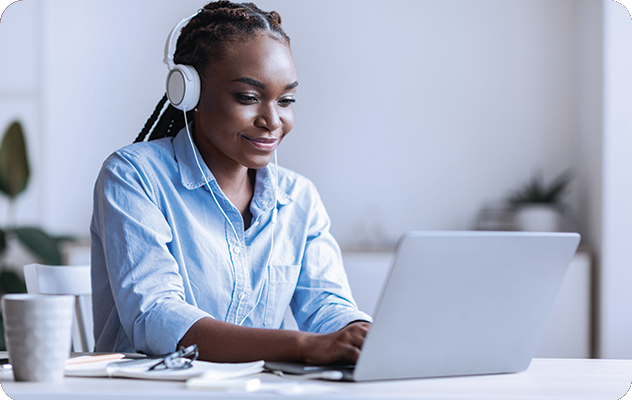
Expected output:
(37, 330)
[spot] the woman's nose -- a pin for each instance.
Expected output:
(269, 118)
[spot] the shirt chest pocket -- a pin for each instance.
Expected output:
(283, 280)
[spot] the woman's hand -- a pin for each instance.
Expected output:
(342, 346)
(224, 342)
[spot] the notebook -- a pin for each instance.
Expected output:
(139, 369)
(459, 303)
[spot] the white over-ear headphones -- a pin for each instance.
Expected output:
(183, 81)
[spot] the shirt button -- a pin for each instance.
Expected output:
(241, 296)
(236, 250)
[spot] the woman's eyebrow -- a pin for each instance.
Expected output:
(291, 85)
(261, 85)
(251, 82)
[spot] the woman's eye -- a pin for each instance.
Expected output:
(287, 101)
(246, 98)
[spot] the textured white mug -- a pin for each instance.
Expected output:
(37, 330)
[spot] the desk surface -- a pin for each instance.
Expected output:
(557, 379)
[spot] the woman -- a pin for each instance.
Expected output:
(196, 239)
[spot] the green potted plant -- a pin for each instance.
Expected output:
(14, 179)
(538, 206)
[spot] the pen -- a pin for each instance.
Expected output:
(89, 359)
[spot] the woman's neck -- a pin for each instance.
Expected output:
(237, 183)
(240, 190)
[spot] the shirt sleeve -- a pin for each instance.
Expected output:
(322, 301)
(144, 278)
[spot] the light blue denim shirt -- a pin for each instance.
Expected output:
(164, 255)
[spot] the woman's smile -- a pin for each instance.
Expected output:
(262, 143)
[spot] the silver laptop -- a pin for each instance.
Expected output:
(459, 303)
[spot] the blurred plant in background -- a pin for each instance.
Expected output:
(536, 191)
(535, 206)
(14, 178)
(540, 207)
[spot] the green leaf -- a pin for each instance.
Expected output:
(41, 244)
(10, 282)
(14, 164)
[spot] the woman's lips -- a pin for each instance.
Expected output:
(263, 144)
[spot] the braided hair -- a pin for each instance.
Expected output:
(206, 40)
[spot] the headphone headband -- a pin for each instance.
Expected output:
(170, 46)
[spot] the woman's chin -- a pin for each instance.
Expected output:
(259, 162)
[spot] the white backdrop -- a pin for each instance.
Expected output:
(410, 115)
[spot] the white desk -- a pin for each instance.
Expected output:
(554, 379)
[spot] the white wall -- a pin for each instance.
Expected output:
(102, 77)
(616, 262)
(409, 116)
(413, 115)
(20, 99)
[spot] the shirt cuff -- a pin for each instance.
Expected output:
(166, 325)
(344, 319)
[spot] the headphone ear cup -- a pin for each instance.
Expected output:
(183, 87)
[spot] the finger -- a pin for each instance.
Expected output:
(358, 340)
(357, 335)
(348, 342)
(357, 328)
(352, 354)
(365, 328)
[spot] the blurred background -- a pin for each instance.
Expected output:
(410, 115)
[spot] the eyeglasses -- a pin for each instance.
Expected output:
(181, 359)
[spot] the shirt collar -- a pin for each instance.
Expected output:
(265, 186)
(186, 152)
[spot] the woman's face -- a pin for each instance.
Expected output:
(245, 106)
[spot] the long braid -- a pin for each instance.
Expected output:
(170, 123)
(206, 40)
(151, 120)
